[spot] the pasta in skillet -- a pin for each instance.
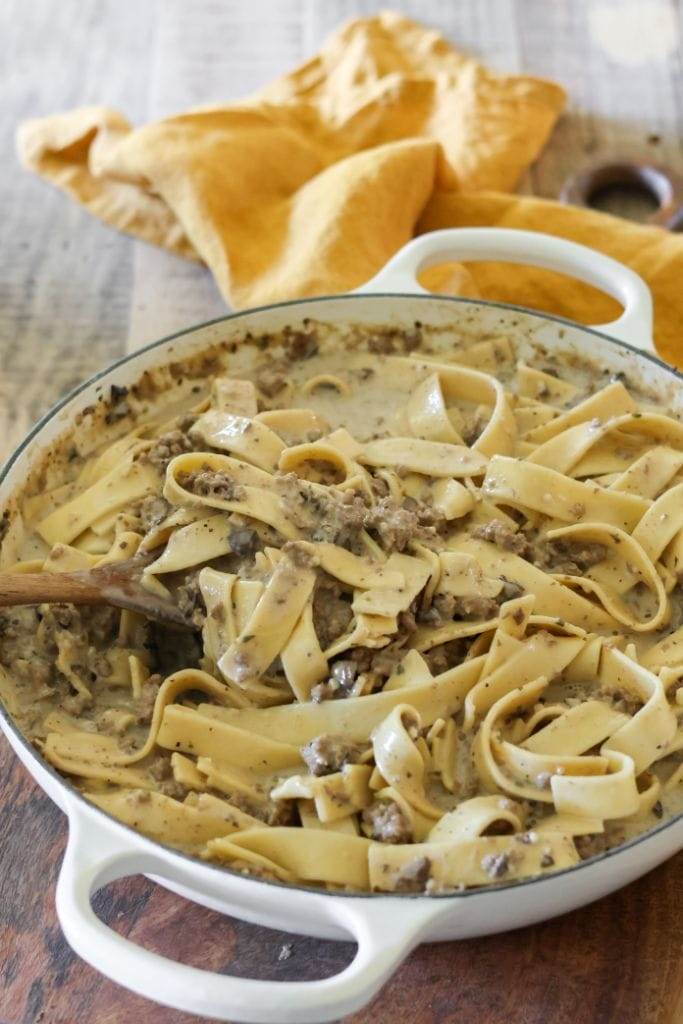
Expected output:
(437, 615)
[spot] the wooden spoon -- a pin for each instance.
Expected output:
(117, 584)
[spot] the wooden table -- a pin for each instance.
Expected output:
(74, 295)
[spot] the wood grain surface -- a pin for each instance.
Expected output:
(74, 295)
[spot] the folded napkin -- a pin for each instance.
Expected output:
(309, 186)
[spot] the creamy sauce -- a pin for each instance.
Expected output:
(67, 670)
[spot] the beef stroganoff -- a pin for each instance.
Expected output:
(437, 615)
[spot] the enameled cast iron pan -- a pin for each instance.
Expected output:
(386, 927)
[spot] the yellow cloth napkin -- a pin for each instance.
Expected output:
(309, 187)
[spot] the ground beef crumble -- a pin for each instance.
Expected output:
(496, 532)
(342, 677)
(570, 557)
(335, 517)
(161, 771)
(338, 517)
(209, 483)
(446, 607)
(398, 525)
(384, 821)
(559, 556)
(376, 665)
(166, 447)
(325, 754)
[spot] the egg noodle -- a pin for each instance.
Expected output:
(439, 618)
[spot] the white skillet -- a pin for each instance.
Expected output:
(385, 927)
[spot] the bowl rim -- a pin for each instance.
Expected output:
(9, 726)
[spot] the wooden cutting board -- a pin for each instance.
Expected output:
(619, 961)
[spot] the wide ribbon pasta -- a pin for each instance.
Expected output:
(436, 607)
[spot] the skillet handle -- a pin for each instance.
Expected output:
(535, 249)
(385, 929)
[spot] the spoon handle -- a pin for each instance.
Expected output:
(110, 584)
(49, 588)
